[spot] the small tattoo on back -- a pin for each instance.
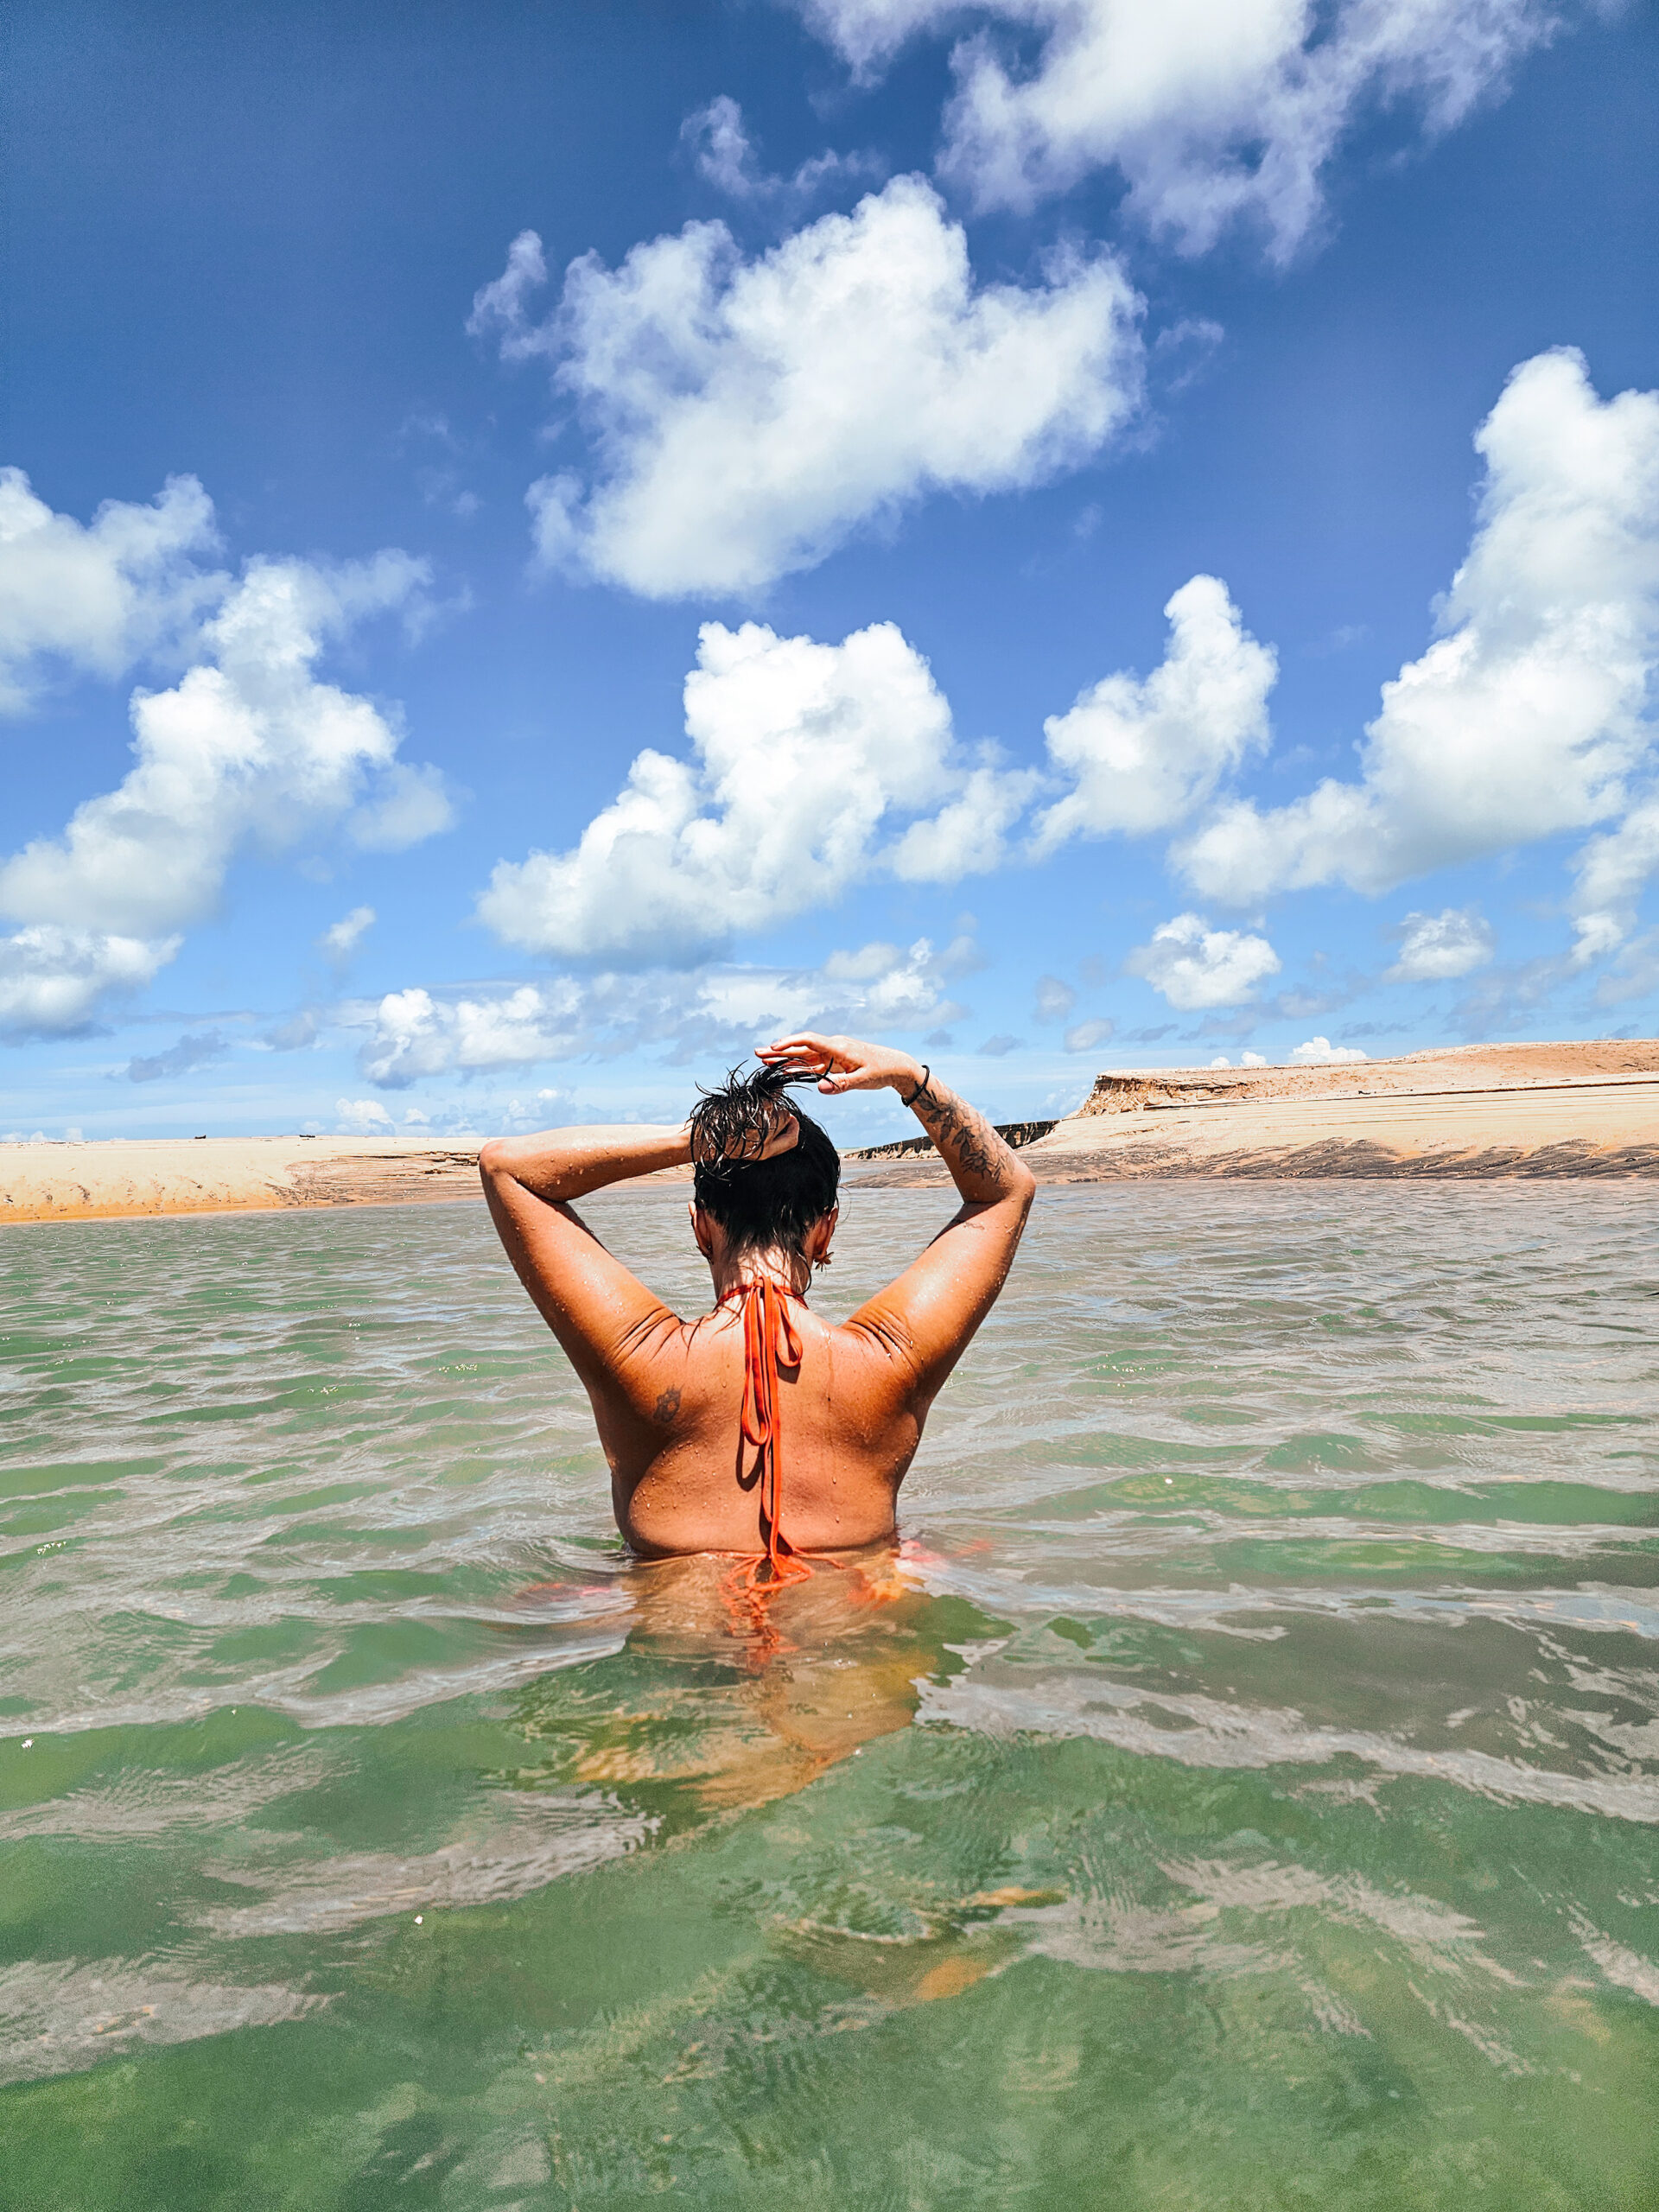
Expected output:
(667, 1406)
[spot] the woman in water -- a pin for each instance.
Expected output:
(759, 1429)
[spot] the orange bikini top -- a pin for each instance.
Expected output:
(767, 1332)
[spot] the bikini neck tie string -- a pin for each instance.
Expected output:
(752, 1582)
(769, 1333)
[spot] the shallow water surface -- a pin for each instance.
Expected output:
(1242, 1791)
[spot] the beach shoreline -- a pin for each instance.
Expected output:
(1472, 1112)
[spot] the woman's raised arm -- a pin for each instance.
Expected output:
(558, 1165)
(615, 1331)
(928, 1315)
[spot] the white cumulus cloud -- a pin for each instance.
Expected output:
(98, 597)
(53, 980)
(749, 415)
(1195, 966)
(968, 835)
(415, 1034)
(1212, 110)
(1612, 871)
(1525, 718)
(1433, 948)
(365, 1117)
(1142, 754)
(249, 747)
(804, 754)
(1319, 1051)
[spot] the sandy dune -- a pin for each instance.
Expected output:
(1483, 1110)
(1479, 1110)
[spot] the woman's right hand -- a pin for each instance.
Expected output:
(844, 1063)
(783, 1133)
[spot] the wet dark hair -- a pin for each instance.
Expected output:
(760, 1204)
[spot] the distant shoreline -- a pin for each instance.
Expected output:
(1470, 1113)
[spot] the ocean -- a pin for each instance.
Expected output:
(1242, 1791)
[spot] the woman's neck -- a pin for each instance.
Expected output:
(787, 1271)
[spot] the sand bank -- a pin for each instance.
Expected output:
(165, 1175)
(1474, 1111)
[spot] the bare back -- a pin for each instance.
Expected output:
(849, 1428)
(666, 1393)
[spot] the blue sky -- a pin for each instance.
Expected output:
(672, 514)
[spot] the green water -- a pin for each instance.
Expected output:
(1244, 1793)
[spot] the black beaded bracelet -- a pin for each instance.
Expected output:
(926, 1073)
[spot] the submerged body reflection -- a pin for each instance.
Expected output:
(713, 1704)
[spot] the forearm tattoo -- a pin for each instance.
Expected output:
(963, 1136)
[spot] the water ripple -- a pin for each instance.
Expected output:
(1276, 1632)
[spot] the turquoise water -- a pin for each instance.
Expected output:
(1243, 1793)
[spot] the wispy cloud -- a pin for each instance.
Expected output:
(718, 142)
(190, 1052)
(341, 938)
(420, 1031)
(1217, 114)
